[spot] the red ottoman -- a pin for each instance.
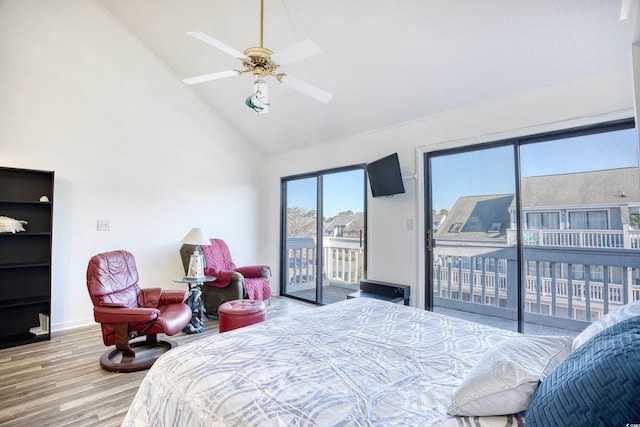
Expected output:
(241, 312)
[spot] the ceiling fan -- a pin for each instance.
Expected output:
(262, 63)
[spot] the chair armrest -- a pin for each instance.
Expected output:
(237, 278)
(173, 297)
(254, 271)
(223, 278)
(112, 304)
(124, 315)
(149, 297)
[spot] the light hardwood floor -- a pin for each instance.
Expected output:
(60, 382)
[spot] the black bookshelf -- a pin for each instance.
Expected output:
(25, 257)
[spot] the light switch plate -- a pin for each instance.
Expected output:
(104, 225)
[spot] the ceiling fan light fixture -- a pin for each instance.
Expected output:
(258, 101)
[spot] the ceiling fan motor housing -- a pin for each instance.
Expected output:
(259, 62)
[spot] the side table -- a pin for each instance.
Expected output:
(194, 301)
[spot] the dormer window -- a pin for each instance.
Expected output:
(495, 227)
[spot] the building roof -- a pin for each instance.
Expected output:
(604, 187)
(488, 216)
(478, 217)
(346, 220)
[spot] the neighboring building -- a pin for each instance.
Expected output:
(345, 225)
(597, 200)
(576, 202)
(579, 236)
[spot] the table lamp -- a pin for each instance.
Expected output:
(196, 237)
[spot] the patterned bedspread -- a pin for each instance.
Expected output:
(360, 362)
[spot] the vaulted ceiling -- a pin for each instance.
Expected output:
(385, 61)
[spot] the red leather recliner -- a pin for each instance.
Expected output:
(126, 311)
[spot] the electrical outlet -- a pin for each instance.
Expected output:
(104, 225)
(409, 224)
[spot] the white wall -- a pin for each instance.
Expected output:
(128, 143)
(395, 254)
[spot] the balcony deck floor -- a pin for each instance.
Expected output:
(511, 325)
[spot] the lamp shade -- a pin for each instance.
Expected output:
(196, 236)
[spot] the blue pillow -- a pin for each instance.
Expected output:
(598, 384)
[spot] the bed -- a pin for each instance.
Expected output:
(360, 362)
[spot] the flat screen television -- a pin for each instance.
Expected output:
(385, 177)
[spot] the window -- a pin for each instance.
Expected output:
(455, 228)
(495, 227)
(577, 272)
(543, 220)
(545, 269)
(588, 220)
(490, 264)
(596, 273)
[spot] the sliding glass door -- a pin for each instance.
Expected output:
(323, 234)
(473, 263)
(580, 197)
(536, 234)
(301, 234)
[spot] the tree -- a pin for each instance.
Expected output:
(300, 222)
(342, 213)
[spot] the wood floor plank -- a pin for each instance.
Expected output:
(60, 382)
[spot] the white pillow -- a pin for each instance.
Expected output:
(506, 376)
(623, 313)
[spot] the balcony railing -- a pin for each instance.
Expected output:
(568, 285)
(634, 239)
(581, 290)
(629, 239)
(301, 256)
(563, 286)
(343, 260)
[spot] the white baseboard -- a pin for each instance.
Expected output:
(56, 327)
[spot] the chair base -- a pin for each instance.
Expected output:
(146, 355)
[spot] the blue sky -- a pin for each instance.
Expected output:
(342, 191)
(491, 171)
(474, 173)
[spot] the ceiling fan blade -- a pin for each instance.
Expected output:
(217, 44)
(298, 51)
(212, 76)
(305, 87)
